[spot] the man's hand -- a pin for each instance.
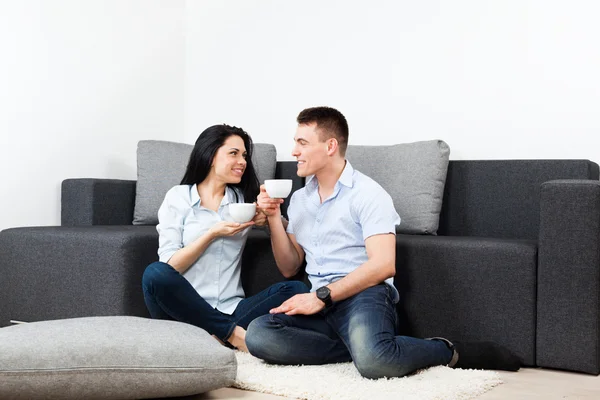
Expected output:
(268, 206)
(303, 304)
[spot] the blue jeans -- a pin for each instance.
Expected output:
(361, 329)
(168, 295)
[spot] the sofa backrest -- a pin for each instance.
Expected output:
(501, 198)
(161, 165)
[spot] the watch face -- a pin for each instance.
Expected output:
(322, 292)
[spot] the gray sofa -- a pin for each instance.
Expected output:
(516, 260)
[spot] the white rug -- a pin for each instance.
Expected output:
(342, 381)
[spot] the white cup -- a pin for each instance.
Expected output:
(242, 212)
(278, 188)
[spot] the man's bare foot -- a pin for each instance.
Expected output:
(238, 339)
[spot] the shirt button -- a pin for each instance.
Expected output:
(318, 220)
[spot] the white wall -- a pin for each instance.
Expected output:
(494, 79)
(80, 83)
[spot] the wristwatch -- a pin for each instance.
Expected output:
(324, 294)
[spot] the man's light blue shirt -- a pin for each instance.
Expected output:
(216, 273)
(333, 233)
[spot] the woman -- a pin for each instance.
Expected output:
(197, 279)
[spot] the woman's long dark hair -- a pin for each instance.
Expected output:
(204, 152)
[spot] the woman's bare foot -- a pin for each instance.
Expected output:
(238, 339)
(218, 340)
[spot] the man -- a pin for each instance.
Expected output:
(343, 222)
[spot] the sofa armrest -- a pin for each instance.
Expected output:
(65, 272)
(88, 202)
(568, 319)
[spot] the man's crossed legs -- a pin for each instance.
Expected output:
(363, 329)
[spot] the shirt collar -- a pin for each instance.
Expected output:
(194, 195)
(228, 198)
(345, 178)
(347, 175)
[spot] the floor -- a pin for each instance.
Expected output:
(528, 383)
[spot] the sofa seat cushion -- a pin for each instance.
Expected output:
(110, 358)
(414, 174)
(161, 165)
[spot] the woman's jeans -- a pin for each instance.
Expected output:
(362, 329)
(168, 295)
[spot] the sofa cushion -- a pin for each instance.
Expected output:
(110, 358)
(414, 175)
(161, 165)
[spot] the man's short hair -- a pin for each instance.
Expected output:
(330, 124)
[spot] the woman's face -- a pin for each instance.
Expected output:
(229, 162)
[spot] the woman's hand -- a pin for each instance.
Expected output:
(260, 219)
(228, 228)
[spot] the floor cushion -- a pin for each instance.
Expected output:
(110, 358)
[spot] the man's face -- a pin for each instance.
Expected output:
(309, 150)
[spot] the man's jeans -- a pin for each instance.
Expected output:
(361, 328)
(168, 295)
